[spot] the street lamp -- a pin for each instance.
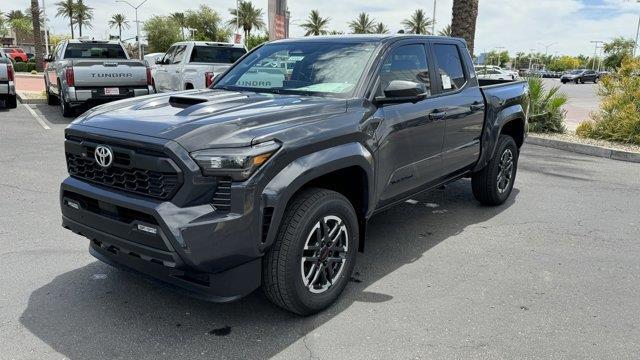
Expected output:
(595, 51)
(433, 24)
(546, 49)
(637, 33)
(137, 25)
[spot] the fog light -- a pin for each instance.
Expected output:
(147, 229)
(73, 204)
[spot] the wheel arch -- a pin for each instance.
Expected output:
(511, 121)
(347, 169)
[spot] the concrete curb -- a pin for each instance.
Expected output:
(26, 74)
(592, 150)
(30, 101)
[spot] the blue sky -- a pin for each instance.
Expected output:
(517, 25)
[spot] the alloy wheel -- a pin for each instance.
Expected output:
(506, 171)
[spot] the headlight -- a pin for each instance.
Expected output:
(237, 163)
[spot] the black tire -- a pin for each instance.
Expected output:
(11, 102)
(52, 99)
(488, 189)
(577, 81)
(283, 267)
(595, 81)
(67, 110)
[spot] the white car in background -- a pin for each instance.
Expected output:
(194, 64)
(494, 74)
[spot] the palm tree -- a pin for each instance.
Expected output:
(381, 28)
(446, 31)
(119, 21)
(181, 20)
(316, 25)
(463, 22)
(247, 17)
(362, 24)
(15, 14)
(37, 36)
(418, 23)
(83, 16)
(3, 28)
(67, 8)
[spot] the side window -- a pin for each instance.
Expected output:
(408, 63)
(59, 52)
(450, 67)
(168, 57)
(179, 54)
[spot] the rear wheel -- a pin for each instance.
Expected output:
(493, 184)
(65, 107)
(11, 102)
(314, 253)
(51, 99)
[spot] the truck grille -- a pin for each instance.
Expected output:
(147, 182)
(222, 196)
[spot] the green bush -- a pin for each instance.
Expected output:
(546, 112)
(618, 118)
(24, 67)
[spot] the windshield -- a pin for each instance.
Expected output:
(216, 54)
(576, 72)
(94, 51)
(303, 67)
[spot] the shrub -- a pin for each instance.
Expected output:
(547, 114)
(24, 67)
(617, 119)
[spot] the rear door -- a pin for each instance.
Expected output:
(409, 138)
(463, 104)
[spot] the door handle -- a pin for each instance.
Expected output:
(476, 107)
(437, 115)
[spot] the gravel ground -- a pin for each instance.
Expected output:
(571, 137)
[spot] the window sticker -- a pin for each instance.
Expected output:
(446, 82)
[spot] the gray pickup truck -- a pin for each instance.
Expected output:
(91, 71)
(7, 82)
(268, 179)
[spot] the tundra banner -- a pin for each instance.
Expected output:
(278, 19)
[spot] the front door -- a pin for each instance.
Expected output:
(461, 99)
(161, 77)
(409, 138)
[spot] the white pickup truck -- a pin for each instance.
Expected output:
(7, 82)
(85, 71)
(194, 64)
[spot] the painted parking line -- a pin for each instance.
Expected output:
(37, 117)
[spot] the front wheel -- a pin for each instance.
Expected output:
(493, 184)
(312, 258)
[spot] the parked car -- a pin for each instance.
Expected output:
(271, 182)
(152, 59)
(194, 64)
(90, 71)
(480, 69)
(15, 54)
(494, 74)
(7, 82)
(580, 76)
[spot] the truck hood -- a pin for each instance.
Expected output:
(200, 119)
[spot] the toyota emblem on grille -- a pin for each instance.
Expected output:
(103, 155)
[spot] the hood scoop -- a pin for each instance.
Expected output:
(184, 102)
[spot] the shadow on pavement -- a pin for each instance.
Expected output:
(97, 312)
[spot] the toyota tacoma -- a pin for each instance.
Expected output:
(268, 178)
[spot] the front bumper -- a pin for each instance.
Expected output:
(213, 254)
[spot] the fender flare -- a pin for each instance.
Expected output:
(282, 187)
(490, 136)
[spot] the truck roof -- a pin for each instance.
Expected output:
(210, 43)
(367, 38)
(92, 41)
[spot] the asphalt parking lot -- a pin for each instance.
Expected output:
(553, 273)
(583, 99)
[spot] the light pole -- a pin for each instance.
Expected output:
(137, 25)
(433, 25)
(498, 53)
(531, 57)
(46, 31)
(595, 51)
(546, 50)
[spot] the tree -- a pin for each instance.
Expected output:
(15, 14)
(22, 24)
(119, 21)
(162, 32)
(616, 50)
(418, 23)
(37, 36)
(463, 23)
(247, 17)
(497, 58)
(83, 15)
(363, 24)
(181, 20)
(207, 24)
(55, 39)
(381, 28)
(315, 25)
(446, 31)
(67, 8)
(255, 40)
(3, 25)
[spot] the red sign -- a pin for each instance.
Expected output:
(237, 38)
(281, 31)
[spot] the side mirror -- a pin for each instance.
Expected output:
(158, 61)
(400, 91)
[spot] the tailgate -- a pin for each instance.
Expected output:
(3, 72)
(104, 73)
